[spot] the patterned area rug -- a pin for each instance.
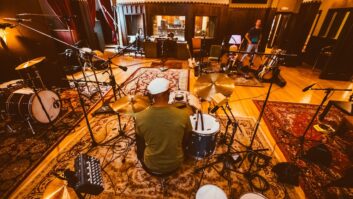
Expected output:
(125, 178)
(21, 151)
(287, 121)
(138, 82)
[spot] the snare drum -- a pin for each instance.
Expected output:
(252, 195)
(202, 143)
(210, 192)
(24, 103)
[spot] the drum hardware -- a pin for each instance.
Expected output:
(117, 89)
(232, 159)
(128, 105)
(29, 69)
(108, 61)
(301, 153)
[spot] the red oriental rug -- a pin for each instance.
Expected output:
(137, 83)
(287, 122)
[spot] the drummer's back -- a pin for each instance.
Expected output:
(163, 130)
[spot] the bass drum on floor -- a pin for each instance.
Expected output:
(24, 103)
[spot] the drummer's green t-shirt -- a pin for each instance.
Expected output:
(163, 130)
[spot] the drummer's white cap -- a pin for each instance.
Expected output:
(158, 85)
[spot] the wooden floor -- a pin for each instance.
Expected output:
(241, 102)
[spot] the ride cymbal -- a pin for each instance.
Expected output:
(30, 63)
(59, 189)
(208, 85)
(130, 104)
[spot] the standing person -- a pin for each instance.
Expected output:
(253, 36)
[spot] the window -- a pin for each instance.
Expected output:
(205, 26)
(162, 25)
(334, 23)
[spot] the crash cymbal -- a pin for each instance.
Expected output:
(30, 63)
(130, 104)
(59, 189)
(208, 85)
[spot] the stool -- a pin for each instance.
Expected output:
(162, 177)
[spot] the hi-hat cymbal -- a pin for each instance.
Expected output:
(30, 63)
(130, 104)
(59, 189)
(208, 85)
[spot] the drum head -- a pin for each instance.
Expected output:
(210, 192)
(252, 196)
(211, 125)
(51, 103)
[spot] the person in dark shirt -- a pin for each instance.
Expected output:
(253, 36)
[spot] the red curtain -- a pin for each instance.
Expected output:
(63, 11)
(92, 10)
(108, 15)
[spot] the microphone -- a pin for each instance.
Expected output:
(308, 87)
(17, 19)
(124, 68)
(219, 100)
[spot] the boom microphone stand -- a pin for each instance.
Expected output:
(328, 91)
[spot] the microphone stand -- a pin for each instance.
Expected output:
(82, 103)
(302, 139)
(117, 89)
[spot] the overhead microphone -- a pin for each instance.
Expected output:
(16, 19)
(308, 87)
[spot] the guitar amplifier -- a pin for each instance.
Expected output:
(88, 174)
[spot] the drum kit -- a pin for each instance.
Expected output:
(28, 99)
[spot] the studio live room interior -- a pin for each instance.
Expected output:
(176, 99)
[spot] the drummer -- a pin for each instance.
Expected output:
(162, 131)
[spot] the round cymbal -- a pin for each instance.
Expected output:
(59, 189)
(30, 63)
(130, 104)
(208, 85)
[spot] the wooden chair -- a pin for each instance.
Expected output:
(196, 46)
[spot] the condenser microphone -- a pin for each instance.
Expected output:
(308, 87)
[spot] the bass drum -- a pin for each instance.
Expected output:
(202, 143)
(24, 103)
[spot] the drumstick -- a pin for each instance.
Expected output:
(202, 125)
(197, 120)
